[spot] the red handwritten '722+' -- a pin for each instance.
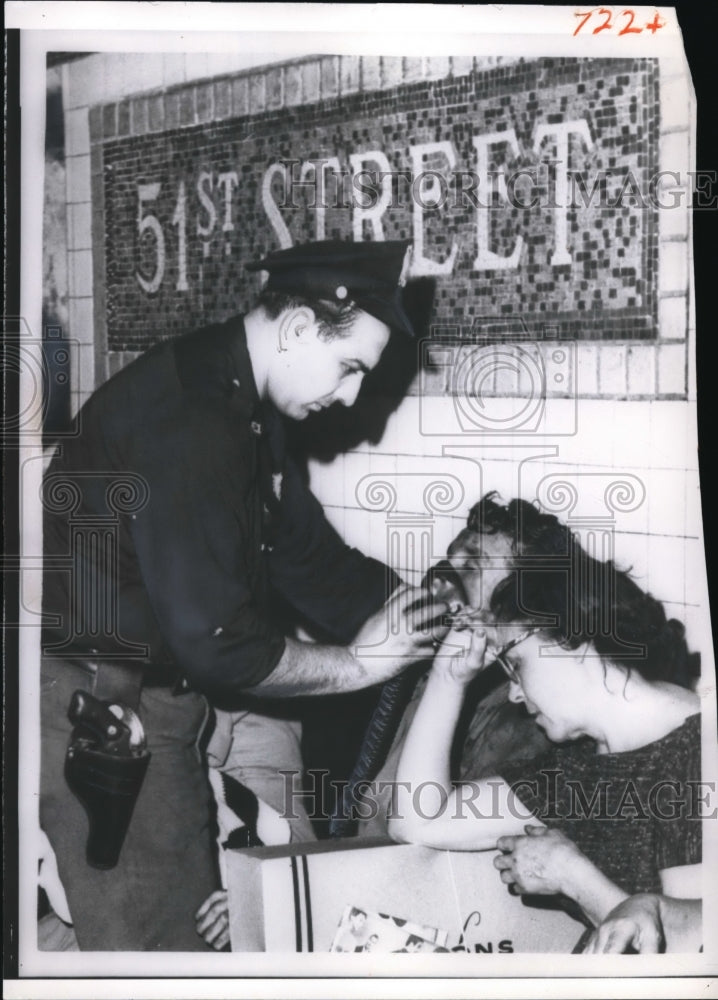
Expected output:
(607, 23)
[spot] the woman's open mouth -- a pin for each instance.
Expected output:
(445, 583)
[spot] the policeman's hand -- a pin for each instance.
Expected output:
(634, 924)
(407, 628)
(212, 920)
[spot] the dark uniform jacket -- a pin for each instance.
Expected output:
(174, 516)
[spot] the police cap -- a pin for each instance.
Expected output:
(370, 274)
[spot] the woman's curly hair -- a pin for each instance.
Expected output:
(578, 598)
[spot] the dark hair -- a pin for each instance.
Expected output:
(335, 318)
(414, 939)
(580, 598)
(532, 532)
(534, 538)
(586, 600)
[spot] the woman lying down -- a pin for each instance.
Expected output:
(613, 808)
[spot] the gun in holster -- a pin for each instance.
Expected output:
(105, 766)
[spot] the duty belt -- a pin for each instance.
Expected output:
(123, 680)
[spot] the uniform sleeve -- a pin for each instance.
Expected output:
(332, 585)
(198, 546)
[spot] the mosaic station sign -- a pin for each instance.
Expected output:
(531, 193)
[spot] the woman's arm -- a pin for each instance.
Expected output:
(683, 881)
(428, 809)
(547, 861)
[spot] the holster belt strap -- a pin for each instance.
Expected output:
(119, 682)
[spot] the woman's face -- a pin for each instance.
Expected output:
(481, 560)
(555, 684)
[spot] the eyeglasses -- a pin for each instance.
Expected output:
(500, 656)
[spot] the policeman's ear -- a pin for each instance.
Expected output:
(298, 326)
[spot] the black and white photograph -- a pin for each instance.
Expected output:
(362, 590)
(364, 932)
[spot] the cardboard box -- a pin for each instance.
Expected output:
(291, 899)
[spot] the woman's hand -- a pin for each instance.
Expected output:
(648, 923)
(460, 657)
(541, 862)
(213, 920)
(635, 923)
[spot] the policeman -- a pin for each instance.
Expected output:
(172, 520)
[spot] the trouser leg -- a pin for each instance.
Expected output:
(253, 749)
(167, 866)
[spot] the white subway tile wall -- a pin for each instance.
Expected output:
(673, 317)
(672, 267)
(672, 369)
(79, 265)
(79, 221)
(78, 178)
(612, 369)
(641, 370)
(639, 454)
(77, 138)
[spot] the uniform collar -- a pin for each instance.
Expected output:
(243, 376)
(262, 413)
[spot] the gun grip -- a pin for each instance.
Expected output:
(95, 716)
